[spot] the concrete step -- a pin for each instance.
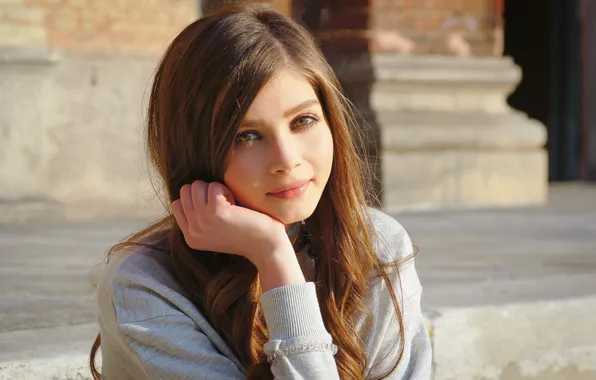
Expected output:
(58, 353)
(549, 340)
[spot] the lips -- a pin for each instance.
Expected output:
(292, 185)
(291, 190)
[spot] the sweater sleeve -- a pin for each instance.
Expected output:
(383, 338)
(302, 346)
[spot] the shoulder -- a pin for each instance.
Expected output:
(138, 283)
(145, 264)
(390, 239)
(392, 245)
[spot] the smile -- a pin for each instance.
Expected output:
(291, 191)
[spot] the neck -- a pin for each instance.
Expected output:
(295, 235)
(292, 229)
(298, 242)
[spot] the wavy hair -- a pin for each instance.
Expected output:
(202, 88)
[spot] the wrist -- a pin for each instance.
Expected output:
(279, 268)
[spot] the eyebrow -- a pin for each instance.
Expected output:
(287, 113)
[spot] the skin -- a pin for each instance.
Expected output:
(284, 138)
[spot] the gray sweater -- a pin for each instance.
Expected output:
(150, 330)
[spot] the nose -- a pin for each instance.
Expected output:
(285, 154)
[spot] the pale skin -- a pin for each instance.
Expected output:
(284, 140)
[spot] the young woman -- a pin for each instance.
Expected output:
(269, 264)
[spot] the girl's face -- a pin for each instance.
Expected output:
(283, 151)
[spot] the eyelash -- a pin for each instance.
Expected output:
(315, 119)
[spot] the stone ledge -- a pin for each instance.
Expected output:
(552, 340)
(387, 82)
(29, 55)
(446, 69)
(433, 69)
(403, 131)
(528, 341)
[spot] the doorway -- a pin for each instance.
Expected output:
(543, 38)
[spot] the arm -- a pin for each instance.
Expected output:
(297, 334)
(299, 344)
(293, 318)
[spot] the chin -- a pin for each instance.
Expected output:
(289, 217)
(293, 213)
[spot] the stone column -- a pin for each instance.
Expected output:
(448, 137)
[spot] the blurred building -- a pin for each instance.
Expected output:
(439, 81)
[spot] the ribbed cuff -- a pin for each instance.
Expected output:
(292, 311)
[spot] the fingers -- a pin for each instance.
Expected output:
(198, 198)
(188, 207)
(216, 197)
(180, 216)
(215, 191)
(199, 195)
(186, 200)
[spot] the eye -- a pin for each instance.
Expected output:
(246, 137)
(303, 121)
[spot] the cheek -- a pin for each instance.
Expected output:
(321, 148)
(242, 177)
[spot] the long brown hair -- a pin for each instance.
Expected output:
(203, 86)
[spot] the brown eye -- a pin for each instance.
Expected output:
(246, 137)
(305, 121)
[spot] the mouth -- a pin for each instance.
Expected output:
(291, 190)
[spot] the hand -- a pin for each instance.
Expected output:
(211, 221)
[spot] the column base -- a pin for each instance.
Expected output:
(447, 138)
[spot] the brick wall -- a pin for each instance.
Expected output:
(102, 25)
(95, 25)
(445, 27)
(421, 27)
(452, 27)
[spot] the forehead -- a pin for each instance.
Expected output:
(285, 90)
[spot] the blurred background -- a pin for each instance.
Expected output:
(482, 118)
